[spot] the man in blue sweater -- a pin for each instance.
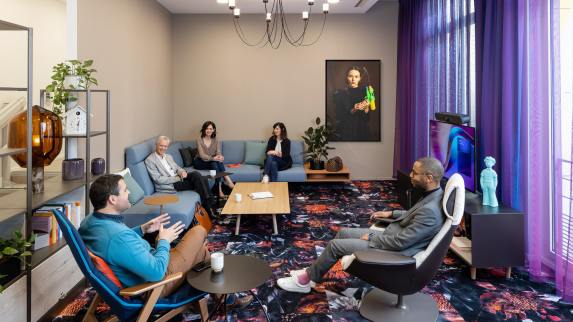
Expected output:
(131, 257)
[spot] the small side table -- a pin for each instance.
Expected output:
(160, 200)
(240, 274)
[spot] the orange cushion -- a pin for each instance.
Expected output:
(103, 267)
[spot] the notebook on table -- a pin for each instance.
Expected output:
(260, 195)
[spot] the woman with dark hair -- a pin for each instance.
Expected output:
(353, 104)
(278, 153)
(209, 155)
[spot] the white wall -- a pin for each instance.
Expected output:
(130, 42)
(244, 90)
(48, 19)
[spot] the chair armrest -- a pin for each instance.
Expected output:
(142, 288)
(383, 258)
(384, 221)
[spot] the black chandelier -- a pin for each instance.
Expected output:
(277, 27)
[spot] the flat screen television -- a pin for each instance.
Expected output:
(454, 145)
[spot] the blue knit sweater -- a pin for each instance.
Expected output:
(128, 255)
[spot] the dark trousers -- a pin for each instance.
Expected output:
(272, 166)
(196, 182)
(199, 164)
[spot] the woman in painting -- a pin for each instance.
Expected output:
(353, 106)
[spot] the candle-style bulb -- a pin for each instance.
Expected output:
(268, 16)
(310, 2)
(325, 7)
(232, 4)
(236, 12)
(305, 15)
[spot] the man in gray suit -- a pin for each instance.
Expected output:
(408, 233)
(168, 177)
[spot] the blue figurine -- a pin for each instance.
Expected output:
(488, 182)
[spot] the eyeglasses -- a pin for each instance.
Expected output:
(414, 173)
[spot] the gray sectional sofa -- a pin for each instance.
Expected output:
(234, 152)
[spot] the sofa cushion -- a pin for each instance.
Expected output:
(188, 154)
(245, 173)
(294, 174)
(255, 153)
(233, 151)
(173, 150)
(135, 191)
(297, 151)
(140, 174)
(138, 152)
(183, 211)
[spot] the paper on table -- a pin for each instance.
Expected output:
(261, 195)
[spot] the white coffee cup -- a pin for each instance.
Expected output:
(217, 262)
(212, 173)
(238, 197)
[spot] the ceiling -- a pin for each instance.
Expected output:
(256, 6)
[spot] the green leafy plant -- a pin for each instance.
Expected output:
(16, 247)
(316, 140)
(57, 90)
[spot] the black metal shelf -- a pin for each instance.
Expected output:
(13, 89)
(42, 254)
(92, 134)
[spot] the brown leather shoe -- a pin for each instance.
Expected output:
(240, 302)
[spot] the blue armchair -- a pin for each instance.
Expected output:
(133, 303)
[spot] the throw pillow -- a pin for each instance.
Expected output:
(188, 155)
(255, 153)
(102, 266)
(135, 191)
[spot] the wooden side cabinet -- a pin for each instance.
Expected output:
(496, 237)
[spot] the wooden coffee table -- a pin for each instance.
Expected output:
(279, 204)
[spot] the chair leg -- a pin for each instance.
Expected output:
(90, 314)
(149, 304)
(169, 315)
(201, 306)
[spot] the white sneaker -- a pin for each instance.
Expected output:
(291, 284)
(265, 179)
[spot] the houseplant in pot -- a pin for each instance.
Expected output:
(71, 74)
(13, 253)
(316, 140)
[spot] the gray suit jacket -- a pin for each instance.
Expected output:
(412, 230)
(161, 178)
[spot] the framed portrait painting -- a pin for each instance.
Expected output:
(353, 100)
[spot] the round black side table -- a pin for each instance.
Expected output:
(241, 273)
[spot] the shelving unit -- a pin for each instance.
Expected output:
(23, 207)
(51, 271)
(343, 175)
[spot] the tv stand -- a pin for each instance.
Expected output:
(495, 235)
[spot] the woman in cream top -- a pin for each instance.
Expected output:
(209, 154)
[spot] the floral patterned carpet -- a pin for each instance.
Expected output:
(317, 212)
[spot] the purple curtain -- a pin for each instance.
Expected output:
(433, 70)
(513, 87)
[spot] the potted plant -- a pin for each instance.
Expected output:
(71, 74)
(316, 139)
(13, 253)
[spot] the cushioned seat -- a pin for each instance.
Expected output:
(294, 174)
(180, 211)
(246, 173)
